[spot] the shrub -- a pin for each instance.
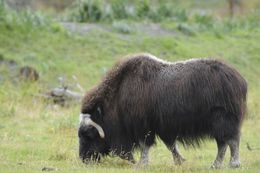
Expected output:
(87, 11)
(143, 9)
(165, 10)
(30, 18)
(186, 29)
(204, 20)
(119, 9)
(2, 10)
(25, 19)
(95, 10)
(180, 15)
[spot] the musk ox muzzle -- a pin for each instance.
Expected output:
(91, 135)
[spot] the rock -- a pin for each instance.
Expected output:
(48, 169)
(28, 73)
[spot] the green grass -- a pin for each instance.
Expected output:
(34, 134)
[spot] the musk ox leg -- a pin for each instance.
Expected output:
(144, 154)
(226, 128)
(234, 151)
(172, 146)
(177, 157)
(222, 147)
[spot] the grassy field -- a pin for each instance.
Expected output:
(36, 136)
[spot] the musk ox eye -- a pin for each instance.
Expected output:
(99, 111)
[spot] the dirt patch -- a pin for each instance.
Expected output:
(150, 29)
(154, 29)
(82, 28)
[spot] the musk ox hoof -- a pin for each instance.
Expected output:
(132, 161)
(142, 163)
(216, 166)
(234, 164)
(179, 161)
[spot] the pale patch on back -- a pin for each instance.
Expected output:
(156, 59)
(168, 62)
(190, 60)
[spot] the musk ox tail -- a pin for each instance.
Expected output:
(235, 92)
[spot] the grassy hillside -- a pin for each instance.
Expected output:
(35, 135)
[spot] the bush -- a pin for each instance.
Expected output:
(180, 15)
(35, 19)
(119, 9)
(204, 20)
(87, 11)
(143, 9)
(186, 29)
(24, 19)
(165, 11)
(94, 11)
(155, 11)
(2, 10)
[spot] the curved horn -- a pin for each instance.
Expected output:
(85, 118)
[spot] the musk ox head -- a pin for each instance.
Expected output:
(91, 136)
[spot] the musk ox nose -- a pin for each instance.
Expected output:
(90, 157)
(85, 157)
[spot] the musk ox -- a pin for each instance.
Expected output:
(143, 97)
